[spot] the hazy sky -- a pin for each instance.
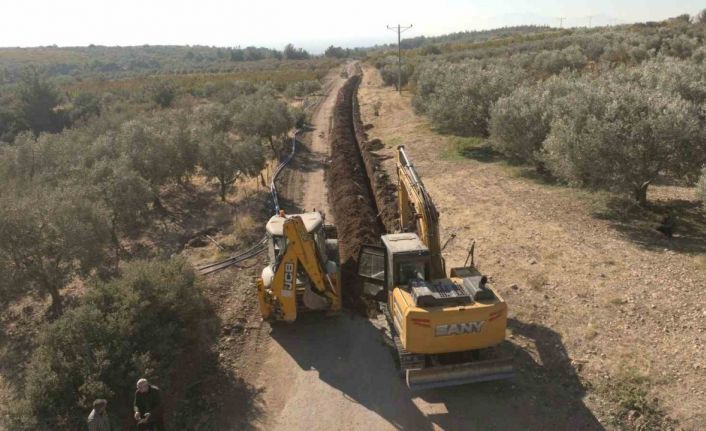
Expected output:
(312, 24)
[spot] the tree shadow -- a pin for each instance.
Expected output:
(482, 153)
(205, 392)
(546, 392)
(350, 354)
(289, 205)
(306, 160)
(639, 224)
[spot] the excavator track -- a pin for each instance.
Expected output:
(406, 360)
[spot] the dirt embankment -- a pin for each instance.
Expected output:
(351, 196)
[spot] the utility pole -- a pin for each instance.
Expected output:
(590, 19)
(400, 30)
(561, 21)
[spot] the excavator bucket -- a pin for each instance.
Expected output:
(459, 374)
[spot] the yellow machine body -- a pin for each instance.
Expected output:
(300, 276)
(433, 330)
(435, 319)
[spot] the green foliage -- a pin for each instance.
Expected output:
(622, 136)
(431, 50)
(123, 192)
(39, 103)
(610, 108)
(337, 52)
(264, 116)
(553, 62)
(162, 93)
(161, 148)
(302, 88)
(124, 329)
(228, 159)
(46, 239)
(292, 53)
(520, 122)
(458, 97)
(84, 105)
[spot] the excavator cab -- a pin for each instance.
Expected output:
(402, 259)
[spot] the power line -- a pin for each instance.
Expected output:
(400, 29)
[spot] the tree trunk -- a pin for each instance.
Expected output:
(272, 145)
(224, 188)
(158, 204)
(116, 245)
(56, 301)
(640, 193)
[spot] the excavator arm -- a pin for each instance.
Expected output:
(417, 211)
(300, 254)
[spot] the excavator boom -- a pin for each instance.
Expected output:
(417, 211)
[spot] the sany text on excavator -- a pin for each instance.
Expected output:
(444, 329)
(304, 273)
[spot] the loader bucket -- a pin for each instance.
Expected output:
(459, 374)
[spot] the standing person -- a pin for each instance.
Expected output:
(98, 419)
(148, 407)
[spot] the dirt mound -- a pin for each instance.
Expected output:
(350, 194)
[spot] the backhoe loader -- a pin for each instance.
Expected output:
(444, 328)
(304, 273)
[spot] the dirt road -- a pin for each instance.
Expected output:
(339, 373)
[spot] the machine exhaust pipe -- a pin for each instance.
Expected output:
(459, 374)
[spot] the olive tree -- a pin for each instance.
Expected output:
(520, 121)
(161, 149)
(125, 196)
(551, 62)
(264, 116)
(228, 159)
(46, 239)
(130, 327)
(38, 100)
(458, 97)
(162, 93)
(621, 136)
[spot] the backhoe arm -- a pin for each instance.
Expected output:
(300, 251)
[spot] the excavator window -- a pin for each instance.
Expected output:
(411, 270)
(276, 245)
(372, 266)
(371, 270)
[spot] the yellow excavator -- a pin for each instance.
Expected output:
(304, 274)
(444, 328)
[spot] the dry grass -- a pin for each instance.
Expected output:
(606, 265)
(537, 281)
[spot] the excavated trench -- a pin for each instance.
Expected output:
(361, 195)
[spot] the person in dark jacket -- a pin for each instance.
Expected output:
(148, 407)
